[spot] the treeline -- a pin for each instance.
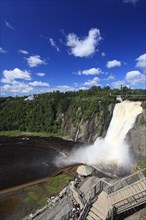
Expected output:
(45, 112)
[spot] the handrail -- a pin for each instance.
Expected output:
(119, 184)
(135, 194)
(109, 188)
(85, 210)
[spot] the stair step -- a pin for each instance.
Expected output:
(140, 186)
(143, 185)
(89, 218)
(136, 188)
(95, 217)
(100, 212)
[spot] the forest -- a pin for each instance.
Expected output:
(44, 112)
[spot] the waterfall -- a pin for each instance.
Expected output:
(111, 153)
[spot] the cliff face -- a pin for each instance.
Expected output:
(86, 131)
(136, 137)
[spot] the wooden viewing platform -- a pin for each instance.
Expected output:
(113, 200)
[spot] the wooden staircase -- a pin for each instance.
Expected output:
(100, 208)
(122, 200)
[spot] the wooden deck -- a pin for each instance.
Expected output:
(117, 202)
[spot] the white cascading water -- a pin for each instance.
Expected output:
(111, 153)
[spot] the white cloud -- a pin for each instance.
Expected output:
(84, 47)
(83, 88)
(9, 25)
(40, 74)
(64, 88)
(103, 54)
(35, 60)
(130, 1)
(17, 87)
(135, 77)
(92, 71)
(53, 44)
(113, 63)
(141, 62)
(93, 82)
(23, 52)
(111, 77)
(11, 75)
(39, 83)
(2, 50)
(118, 84)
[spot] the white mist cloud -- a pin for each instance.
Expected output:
(113, 63)
(2, 50)
(103, 54)
(53, 44)
(40, 74)
(8, 25)
(84, 47)
(23, 52)
(35, 60)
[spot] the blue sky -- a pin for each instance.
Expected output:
(71, 44)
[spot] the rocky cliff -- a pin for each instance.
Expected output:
(86, 130)
(136, 137)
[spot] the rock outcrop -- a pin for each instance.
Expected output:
(87, 131)
(136, 137)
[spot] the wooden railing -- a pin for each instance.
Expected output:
(127, 181)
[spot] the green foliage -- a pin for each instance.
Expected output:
(56, 183)
(45, 113)
(36, 196)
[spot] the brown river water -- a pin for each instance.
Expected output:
(25, 159)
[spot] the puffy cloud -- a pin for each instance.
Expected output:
(8, 25)
(113, 63)
(11, 75)
(141, 62)
(93, 82)
(53, 44)
(23, 52)
(84, 47)
(40, 74)
(130, 1)
(2, 50)
(39, 83)
(35, 60)
(118, 84)
(17, 87)
(135, 77)
(92, 71)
